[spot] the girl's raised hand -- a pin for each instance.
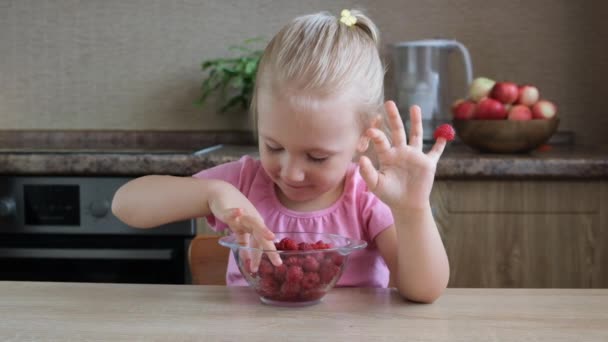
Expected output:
(404, 178)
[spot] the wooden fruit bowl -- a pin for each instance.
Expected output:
(505, 136)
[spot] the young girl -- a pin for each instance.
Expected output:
(317, 103)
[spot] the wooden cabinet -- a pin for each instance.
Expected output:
(507, 233)
(534, 234)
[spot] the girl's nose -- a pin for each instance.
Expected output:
(291, 171)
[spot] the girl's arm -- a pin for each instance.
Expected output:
(413, 248)
(151, 201)
(414, 252)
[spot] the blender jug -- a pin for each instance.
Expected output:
(421, 77)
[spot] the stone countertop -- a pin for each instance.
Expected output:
(457, 162)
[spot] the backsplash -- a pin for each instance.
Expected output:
(135, 64)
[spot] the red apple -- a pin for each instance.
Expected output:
(480, 88)
(544, 109)
(505, 92)
(463, 109)
(456, 103)
(528, 95)
(490, 109)
(520, 112)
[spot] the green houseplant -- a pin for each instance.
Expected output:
(232, 78)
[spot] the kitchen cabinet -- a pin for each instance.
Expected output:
(520, 233)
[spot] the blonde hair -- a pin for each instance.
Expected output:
(317, 55)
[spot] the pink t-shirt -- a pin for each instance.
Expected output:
(357, 214)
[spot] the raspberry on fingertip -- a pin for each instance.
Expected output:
(445, 131)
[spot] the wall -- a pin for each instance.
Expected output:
(135, 64)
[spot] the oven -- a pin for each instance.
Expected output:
(62, 229)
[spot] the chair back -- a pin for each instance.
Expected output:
(208, 260)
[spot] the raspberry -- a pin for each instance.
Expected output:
(267, 287)
(327, 262)
(328, 271)
(336, 258)
(318, 256)
(288, 244)
(293, 261)
(265, 268)
(280, 272)
(445, 131)
(304, 246)
(294, 274)
(544, 148)
(321, 245)
(311, 264)
(290, 290)
(310, 280)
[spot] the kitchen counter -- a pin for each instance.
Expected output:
(129, 312)
(458, 162)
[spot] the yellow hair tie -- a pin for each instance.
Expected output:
(347, 18)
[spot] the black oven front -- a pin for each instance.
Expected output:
(62, 229)
(91, 258)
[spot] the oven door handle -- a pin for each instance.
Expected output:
(87, 253)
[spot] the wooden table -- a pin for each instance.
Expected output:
(112, 312)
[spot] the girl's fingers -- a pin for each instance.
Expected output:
(368, 172)
(262, 231)
(255, 256)
(246, 225)
(242, 238)
(232, 218)
(437, 149)
(245, 256)
(395, 123)
(379, 139)
(260, 234)
(230, 215)
(416, 127)
(376, 121)
(236, 217)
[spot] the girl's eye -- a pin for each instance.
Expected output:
(273, 149)
(317, 160)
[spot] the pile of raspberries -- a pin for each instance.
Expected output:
(301, 277)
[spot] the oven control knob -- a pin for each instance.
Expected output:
(7, 207)
(99, 208)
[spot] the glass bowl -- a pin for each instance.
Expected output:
(312, 265)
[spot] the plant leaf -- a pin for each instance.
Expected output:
(231, 103)
(251, 67)
(232, 75)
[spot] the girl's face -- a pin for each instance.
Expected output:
(307, 144)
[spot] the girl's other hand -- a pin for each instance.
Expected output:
(405, 175)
